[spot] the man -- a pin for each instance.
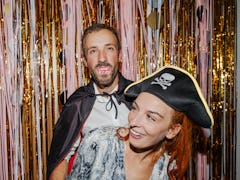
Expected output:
(100, 103)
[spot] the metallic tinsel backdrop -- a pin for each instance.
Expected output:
(40, 57)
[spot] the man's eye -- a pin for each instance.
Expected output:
(111, 48)
(92, 51)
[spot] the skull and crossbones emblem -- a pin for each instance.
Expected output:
(165, 80)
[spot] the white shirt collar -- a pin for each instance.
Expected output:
(101, 98)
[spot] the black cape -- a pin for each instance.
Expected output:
(74, 114)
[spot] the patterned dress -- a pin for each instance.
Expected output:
(101, 157)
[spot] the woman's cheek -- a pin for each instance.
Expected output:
(131, 116)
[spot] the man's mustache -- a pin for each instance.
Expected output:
(103, 64)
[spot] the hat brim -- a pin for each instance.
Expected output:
(183, 94)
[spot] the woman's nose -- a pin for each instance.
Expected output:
(136, 121)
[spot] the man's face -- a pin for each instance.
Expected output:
(102, 57)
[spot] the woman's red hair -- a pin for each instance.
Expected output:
(180, 148)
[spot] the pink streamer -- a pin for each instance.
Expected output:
(129, 38)
(3, 114)
(10, 92)
(35, 74)
(69, 33)
(9, 88)
(173, 30)
(144, 34)
(73, 27)
(202, 66)
(79, 20)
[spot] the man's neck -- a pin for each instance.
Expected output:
(109, 89)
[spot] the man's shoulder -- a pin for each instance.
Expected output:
(123, 83)
(81, 92)
(123, 80)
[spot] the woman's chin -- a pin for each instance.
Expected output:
(140, 149)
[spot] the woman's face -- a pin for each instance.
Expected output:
(150, 119)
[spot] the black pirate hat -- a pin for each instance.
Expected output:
(177, 88)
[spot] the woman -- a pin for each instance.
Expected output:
(157, 143)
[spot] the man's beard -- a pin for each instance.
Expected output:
(104, 80)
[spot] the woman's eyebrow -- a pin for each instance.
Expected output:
(153, 112)
(136, 104)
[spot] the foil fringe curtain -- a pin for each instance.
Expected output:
(40, 58)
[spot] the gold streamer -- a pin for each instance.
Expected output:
(221, 94)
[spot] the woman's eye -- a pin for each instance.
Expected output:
(151, 117)
(133, 108)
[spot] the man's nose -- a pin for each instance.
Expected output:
(102, 55)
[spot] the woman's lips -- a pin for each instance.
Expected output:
(136, 134)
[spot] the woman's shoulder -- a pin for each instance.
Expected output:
(105, 131)
(100, 141)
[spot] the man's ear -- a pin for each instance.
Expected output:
(173, 131)
(120, 56)
(84, 62)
